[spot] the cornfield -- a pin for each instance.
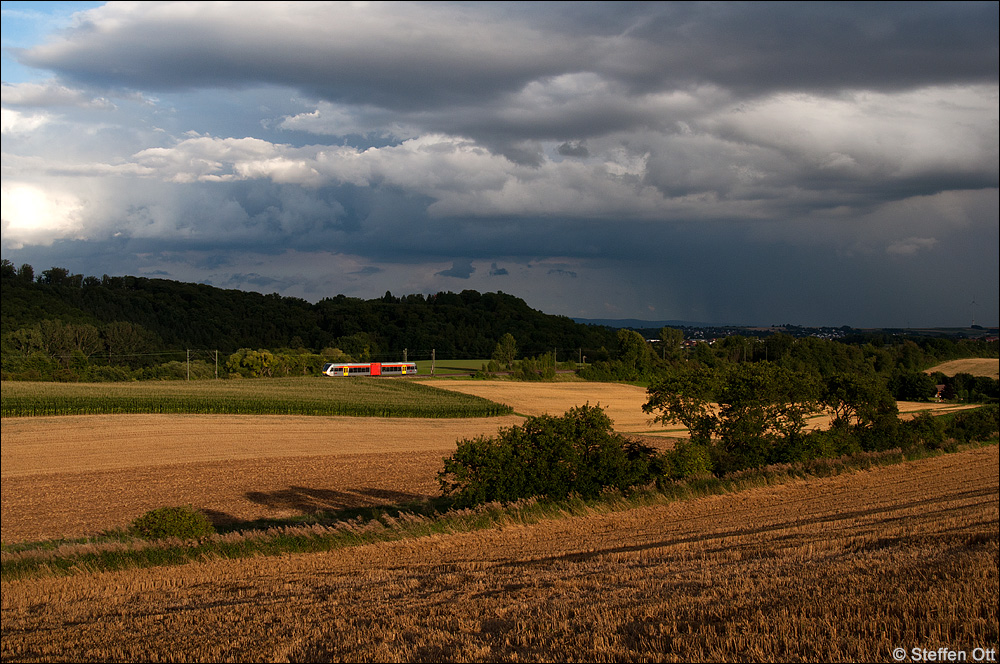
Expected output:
(279, 396)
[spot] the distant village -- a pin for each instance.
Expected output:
(710, 334)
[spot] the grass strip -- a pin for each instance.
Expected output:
(330, 531)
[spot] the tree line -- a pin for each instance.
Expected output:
(57, 325)
(62, 326)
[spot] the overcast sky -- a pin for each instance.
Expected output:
(737, 163)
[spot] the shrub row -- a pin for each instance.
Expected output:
(579, 454)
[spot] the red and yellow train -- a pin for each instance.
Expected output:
(370, 369)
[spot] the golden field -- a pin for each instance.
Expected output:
(843, 568)
(977, 366)
(91, 473)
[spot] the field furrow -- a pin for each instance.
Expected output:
(844, 568)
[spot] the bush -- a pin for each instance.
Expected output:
(829, 444)
(969, 425)
(107, 374)
(183, 522)
(924, 430)
(688, 459)
(550, 457)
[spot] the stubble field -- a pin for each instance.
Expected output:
(844, 568)
(977, 366)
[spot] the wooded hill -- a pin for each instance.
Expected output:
(62, 326)
(172, 315)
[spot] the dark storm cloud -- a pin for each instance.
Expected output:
(404, 56)
(395, 55)
(766, 46)
(460, 269)
(574, 149)
(712, 161)
(497, 271)
(257, 280)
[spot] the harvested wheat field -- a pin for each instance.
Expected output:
(74, 476)
(844, 568)
(91, 473)
(623, 403)
(977, 366)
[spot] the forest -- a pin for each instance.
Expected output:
(140, 322)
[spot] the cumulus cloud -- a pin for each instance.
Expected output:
(50, 94)
(31, 215)
(910, 246)
(16, 122)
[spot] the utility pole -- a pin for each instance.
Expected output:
(432, 360)
(189, 363)
(216, 365)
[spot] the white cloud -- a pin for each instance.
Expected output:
(865, 133)
(344, 119)
(48, 94)
(910, 246)
(15, 122)
(32, 215)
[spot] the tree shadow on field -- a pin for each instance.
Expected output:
(220, 519)
(326, 506)
(307, 500)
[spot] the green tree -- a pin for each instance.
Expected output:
(685, 397)
(126, 342)
(748, 414)
(506, 351)
(672, 344)
(252, 363)
(858, 400)
(86, 339)
(735, 348)
(762, 414)
(578, 453)
(912, 386)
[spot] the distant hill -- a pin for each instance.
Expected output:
(181, 315)
(637, 324)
